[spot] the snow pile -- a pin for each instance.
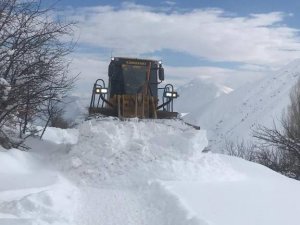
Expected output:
(116, 164)
(118, 147)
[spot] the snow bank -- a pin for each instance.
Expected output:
(111, 148)
(115, 163)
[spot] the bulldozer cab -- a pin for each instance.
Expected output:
(130, 77)
(133, 91)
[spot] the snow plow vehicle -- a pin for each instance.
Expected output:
(133, 91)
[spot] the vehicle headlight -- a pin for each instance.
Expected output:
(101, 91)
(171, 94)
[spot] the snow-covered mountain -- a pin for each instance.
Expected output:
(202, 92)
(233, 116)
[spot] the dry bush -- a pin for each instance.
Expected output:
(277, 159)
(276, 148)
(240, 149)
(60, 122)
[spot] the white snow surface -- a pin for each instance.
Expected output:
(233, 116)
(139, 172)
(31, 194)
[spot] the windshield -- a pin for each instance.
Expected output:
(134, 78)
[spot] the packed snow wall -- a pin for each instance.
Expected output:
(118, 147)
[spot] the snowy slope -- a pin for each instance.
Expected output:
(202, 92)
(139, 172)
(233, 116)
(258, 196)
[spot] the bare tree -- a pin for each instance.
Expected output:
(52, 114)
(32, 59)
(281, 147)
(291, 120)
(277, 148)
(264, 153)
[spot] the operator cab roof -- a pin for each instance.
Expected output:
(124, 60)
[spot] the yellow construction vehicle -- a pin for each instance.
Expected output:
(133, 91)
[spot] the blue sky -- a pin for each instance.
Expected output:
(239, 7)
(226, 41)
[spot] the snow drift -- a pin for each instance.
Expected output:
(139, 172)
(118, 147)
(31, 194)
